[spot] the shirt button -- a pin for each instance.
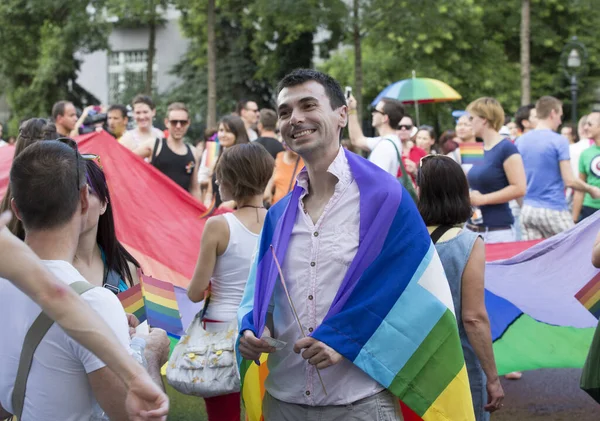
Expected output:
(310, 329)
(310, 297)
(313, 264)
(307, 393)
(316, 234)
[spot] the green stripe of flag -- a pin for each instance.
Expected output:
(528, 345)
(162, 310)
(432, 367)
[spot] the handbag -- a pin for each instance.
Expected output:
(404, 179)
(204, 363)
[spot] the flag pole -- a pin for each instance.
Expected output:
(414, 76)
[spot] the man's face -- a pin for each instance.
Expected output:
(69, 118)
(405, 129)
(567, 132)
(117, 123)
(556, 118)
(143, 115)
(178, 122)
(592, 125)
(306, 119)
(250, 113)
(464, 129)
(378, 116)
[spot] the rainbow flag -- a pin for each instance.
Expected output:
(132, 301)
(393, 316)
(589, 296)
(212, 153)
(471, 154)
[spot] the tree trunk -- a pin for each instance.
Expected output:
(151, 52)
(358, 73)
(525, 57)
(211, 117)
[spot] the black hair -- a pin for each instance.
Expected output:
(116, 255)
(59, 108)
(235, 125)
(119, 107)
(44, 184)
(143, 99)
(300, 76)
(443, 191)
(241, 105)
(523, 114)
(394, 110)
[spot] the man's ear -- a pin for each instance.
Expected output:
(343, 116)
(15, 210)
(84, 198)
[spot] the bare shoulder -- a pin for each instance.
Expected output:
(215, 226)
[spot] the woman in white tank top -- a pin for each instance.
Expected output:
(228, 245)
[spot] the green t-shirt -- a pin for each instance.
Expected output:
(589, 164)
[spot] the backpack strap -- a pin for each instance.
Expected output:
(406, 180)
(34, 336)
(439, 232)
(156, 143)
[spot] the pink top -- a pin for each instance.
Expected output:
(316, 262)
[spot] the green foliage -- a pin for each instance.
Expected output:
(474, 46)
(39, 39)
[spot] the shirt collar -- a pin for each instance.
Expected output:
(339, 168)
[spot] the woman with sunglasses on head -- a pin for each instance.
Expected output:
(231, 131)
(445, 206)
(228, 244)
(30, 131)
(499, 178)
(100, 258)
(425, 139)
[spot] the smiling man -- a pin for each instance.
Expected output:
(355, 255)
(173, 157)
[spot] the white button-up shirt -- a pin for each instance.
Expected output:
(317, 259)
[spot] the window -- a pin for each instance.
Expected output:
(127, 74)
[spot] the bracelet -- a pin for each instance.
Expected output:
(352, 112)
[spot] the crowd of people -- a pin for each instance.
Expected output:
(529, 183)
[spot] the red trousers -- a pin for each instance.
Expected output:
(223, 408)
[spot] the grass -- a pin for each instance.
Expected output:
(186, 408)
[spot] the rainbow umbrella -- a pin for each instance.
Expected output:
(418, 91)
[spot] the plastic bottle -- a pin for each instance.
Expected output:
(137, 346)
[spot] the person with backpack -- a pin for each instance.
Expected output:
(444, 205)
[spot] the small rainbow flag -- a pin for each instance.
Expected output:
(589, 296)
(471, 153)
(212, 150)
(132, 301)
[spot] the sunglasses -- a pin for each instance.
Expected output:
(375, 110)
(405, 126)
(92, 157)
(177, 122)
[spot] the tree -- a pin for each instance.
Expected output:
(137, 14)
(211, 117)
(358, 73)
(38, 60)
(525, 63)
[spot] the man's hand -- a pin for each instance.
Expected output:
(477, 198)
(595, 192)
(251, 347)
(157, 346)
(133, 322)
(5, 218)
(145, 400)
(351, 102)
(495, 395)
(317, 353)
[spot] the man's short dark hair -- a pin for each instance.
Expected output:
(394, 110)
(118, 107)
(241, 105)
(443, 192)
(59, 108)
(268, 119)
(143, 99)
(523, 114)
(44, 185)
(300, 76)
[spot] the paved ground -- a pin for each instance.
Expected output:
(549, 395)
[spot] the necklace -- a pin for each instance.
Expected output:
(255, 207)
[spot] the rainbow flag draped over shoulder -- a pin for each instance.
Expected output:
(393, 315)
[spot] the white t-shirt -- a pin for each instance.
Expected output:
(383, 154)
(57, 387)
